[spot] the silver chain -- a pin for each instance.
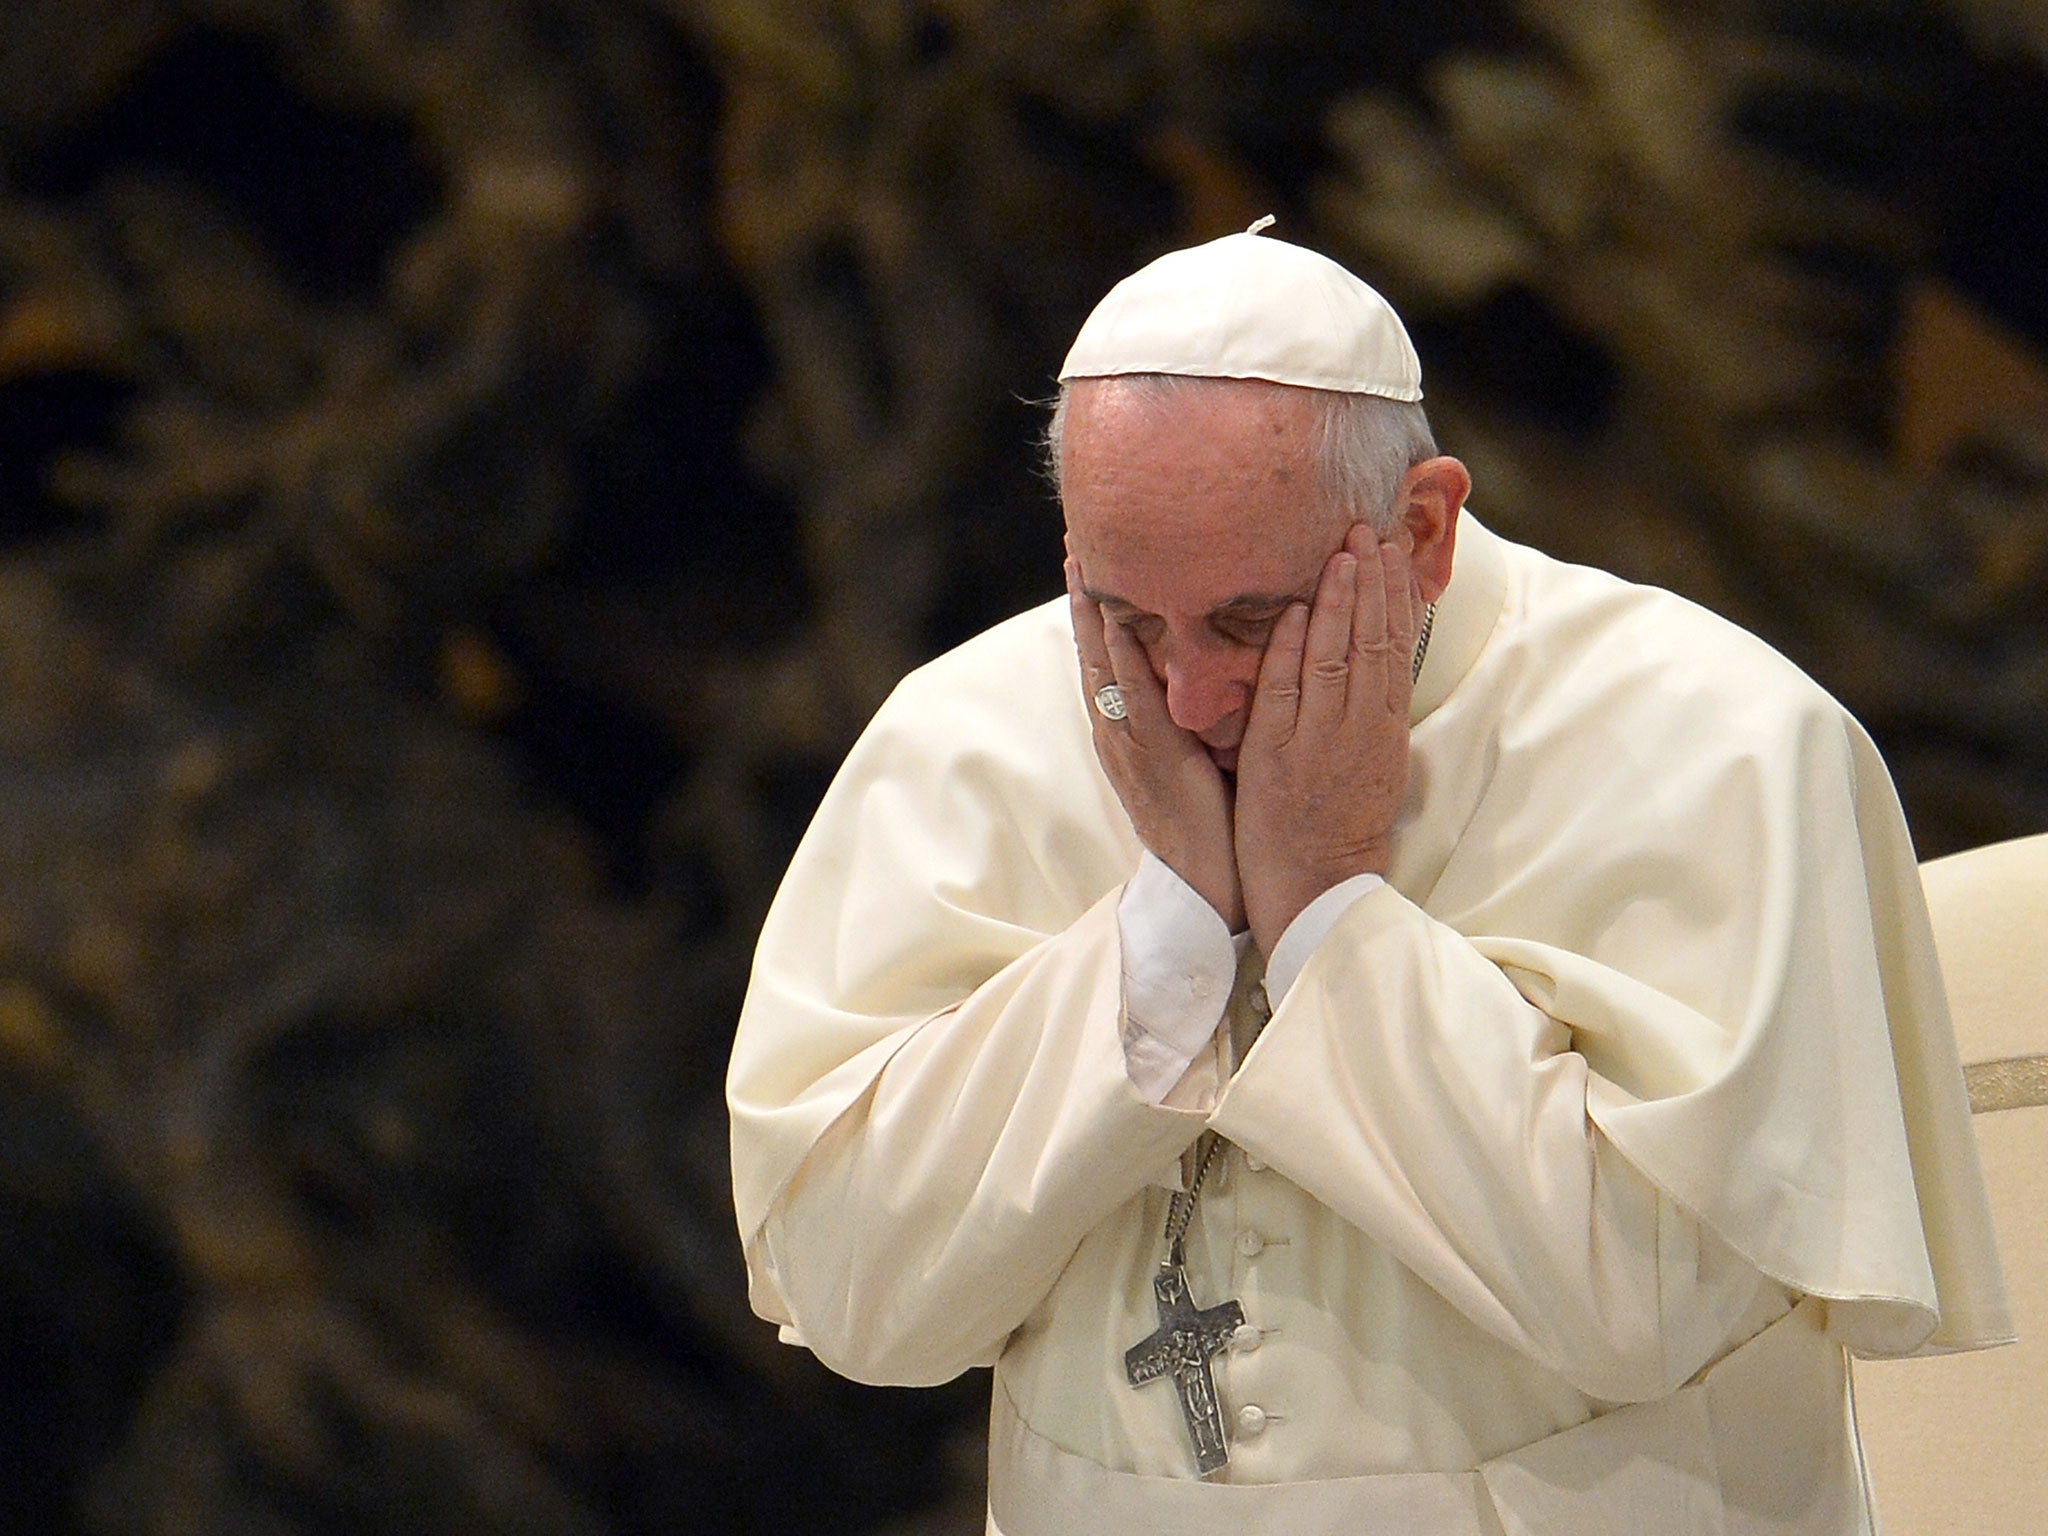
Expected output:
(1422, 642)
(1180, 1209)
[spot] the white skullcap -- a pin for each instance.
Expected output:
(1248, 307)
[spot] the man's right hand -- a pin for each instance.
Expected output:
(1171, 789)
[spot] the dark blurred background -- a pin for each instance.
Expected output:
(468, 468)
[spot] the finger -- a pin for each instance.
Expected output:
(1362, 542)
(1370, 643)
(1395, 581)
(1087, 616)
(1276, 698)
(1326, 660)
(1144, 697)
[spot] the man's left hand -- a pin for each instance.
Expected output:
(1324, 762)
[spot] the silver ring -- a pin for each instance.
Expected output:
(1109, 702)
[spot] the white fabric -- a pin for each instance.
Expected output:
(1308, 930)
(1641, 1040)
(1249, 307)
(1706, 1459)
(1180, 962)
(1959, 1447)
(1179, 966)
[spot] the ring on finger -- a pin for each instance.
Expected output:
(1109, 702)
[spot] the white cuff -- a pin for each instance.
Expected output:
(1311, 925)
(1178, 968)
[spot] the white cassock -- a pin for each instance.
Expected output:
(1557, 1183)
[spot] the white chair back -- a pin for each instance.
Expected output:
(1958, 1446)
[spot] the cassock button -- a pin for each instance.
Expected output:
(1201, 986)
(1245, 1338)
(1249, 1243)
(1256, 1164)
(1251, 1420)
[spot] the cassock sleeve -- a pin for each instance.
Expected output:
(1678, 1040)
(929, 1093)
(937, 1211)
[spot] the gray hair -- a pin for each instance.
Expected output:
(1363, 445)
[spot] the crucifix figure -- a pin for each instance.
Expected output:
(1180, 1347)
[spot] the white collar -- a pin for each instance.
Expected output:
(1465, 614)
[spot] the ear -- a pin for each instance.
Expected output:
(1432, 494)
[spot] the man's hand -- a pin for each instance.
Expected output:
(1324, 763)
(1171, 789)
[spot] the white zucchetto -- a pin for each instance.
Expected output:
(1249, 307)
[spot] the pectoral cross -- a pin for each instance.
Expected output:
(1181, 1347)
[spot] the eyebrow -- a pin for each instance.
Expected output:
(1244, 602)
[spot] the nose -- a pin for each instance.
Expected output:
(1205, 686)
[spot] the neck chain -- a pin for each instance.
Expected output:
(1422, 642)
(1180, 1209)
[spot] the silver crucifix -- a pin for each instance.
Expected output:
(1181, 1347)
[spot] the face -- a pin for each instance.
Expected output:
(1195, 520)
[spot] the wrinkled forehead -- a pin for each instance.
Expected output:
(1251, 423)
(1174, 462)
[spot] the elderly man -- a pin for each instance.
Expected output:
(1366, 1028)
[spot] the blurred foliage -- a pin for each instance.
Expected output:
(467, 470)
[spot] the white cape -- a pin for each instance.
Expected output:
(1643, 1042)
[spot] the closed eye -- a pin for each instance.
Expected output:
(1142, 627)
(1246, 628)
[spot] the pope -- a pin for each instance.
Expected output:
(1364, 1027)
